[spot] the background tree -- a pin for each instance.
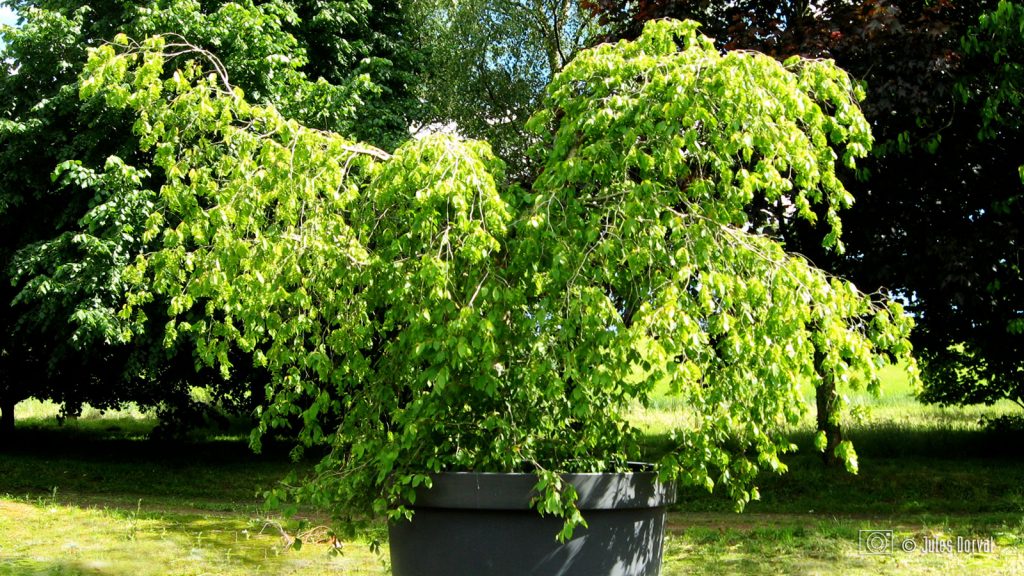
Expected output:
(985, 320)
(376, 48)
(937, 217)
(489, 63)
(67, 239)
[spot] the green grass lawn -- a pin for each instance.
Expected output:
(95, 498)
(46, 536)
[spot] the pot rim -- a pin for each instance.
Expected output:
(516, 490)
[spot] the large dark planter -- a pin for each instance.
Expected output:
(481, 524)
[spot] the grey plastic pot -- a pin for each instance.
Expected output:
(481, 524)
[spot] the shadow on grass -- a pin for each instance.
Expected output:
(904, 469)
(98, 464)
(913, 467)
(30, 567)
(895, 439)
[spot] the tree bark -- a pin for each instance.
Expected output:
(826, 397)
(6, 418)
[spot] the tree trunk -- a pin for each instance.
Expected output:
(827, 396)
(6, 418)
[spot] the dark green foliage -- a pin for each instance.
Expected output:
(938, 214)
(43, 122)
(75, 192)
(981, 276)
(368, 41)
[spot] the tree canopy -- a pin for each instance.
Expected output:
(416, 312)
(67, 239)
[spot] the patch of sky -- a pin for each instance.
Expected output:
(7, 15)
(7, 18)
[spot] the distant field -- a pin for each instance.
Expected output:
(94, 497)
(894, 416)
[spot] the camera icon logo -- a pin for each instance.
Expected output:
(875, 542)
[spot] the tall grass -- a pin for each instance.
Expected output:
(914, 458)
(128, 422)
(892, 422)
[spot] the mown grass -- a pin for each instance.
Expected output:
(95, 497)
(926, 472)
(47, 537)
(826, 546)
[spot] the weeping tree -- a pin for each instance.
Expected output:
(417, 313)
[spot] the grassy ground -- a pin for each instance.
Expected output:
(45, 536)
(94, 498)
